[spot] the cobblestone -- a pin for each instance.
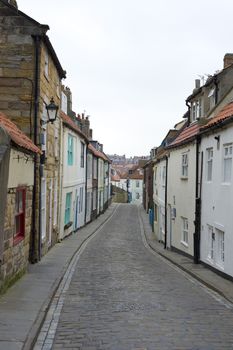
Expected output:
(122, 297)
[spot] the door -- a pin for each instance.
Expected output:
(50, 211)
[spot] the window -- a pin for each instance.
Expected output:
(95, 168)
(82, 154)
(46, 65)
(220, 242)
(163, 175)
(209, 168)
(43, 140)
(211, 238)
(184, 168)
(70, 149)
(155, 175)
(227, 163)
(20, 199)
(68, 208)
(137, 183)
(137, 195)
(89, 166)
(211, 96)
(193, 111)
(184, 237)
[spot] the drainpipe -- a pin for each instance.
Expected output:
(85, 217)
(165, 238)
(197, 222)
(36, 106)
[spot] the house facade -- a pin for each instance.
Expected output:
(17, 181)
(73, 183)
(216, 238)
(31, 76)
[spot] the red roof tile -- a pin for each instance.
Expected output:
(224, 114)
(186, 135)
(17, 136)
(98, 153)
(70, 123)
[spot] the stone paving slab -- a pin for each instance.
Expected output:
(208, 277)
(24, 305)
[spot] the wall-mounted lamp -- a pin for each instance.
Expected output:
(217, 138)
(52, 110)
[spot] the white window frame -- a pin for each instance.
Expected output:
(209, 164)
(227, 159)
(163, 175)
(184, 231)
(184, 165)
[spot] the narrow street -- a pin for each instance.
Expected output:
(123, 297)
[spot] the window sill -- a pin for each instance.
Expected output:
(184, 244)
(184, 177)
(18, 239)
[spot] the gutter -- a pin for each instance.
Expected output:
(85, 215)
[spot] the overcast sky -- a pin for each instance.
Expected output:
(132, 63)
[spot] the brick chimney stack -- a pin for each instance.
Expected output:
(227, 60)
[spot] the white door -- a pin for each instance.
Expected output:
(43, 209)
(50, 211)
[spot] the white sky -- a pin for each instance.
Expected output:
(132, 63)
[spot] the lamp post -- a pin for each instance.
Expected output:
(52, 110)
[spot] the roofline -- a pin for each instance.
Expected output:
(43, 26)
(24, 149)
(45, 38)
(79, 132)
(216, 126)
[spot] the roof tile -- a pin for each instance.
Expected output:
(16, 135)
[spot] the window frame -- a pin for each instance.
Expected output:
(227, 157)
(68, 207)
(70, 150)
(82, 155)
(209, 164)
(184, 232)
(184, 165)
(20, 214)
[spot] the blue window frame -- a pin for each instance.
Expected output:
(68, 207)
(70, 150)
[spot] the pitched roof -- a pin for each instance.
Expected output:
(71, 124)
(44, 28)
(186, 135)
(98, 153)
(17, 136)
(223, 115)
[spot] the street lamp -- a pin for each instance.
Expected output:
(52, 110)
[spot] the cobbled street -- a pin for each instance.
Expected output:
(123, 297)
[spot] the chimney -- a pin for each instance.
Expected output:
(197, 83)
(227, 60)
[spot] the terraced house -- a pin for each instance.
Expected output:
(30, 77)
(45, 193)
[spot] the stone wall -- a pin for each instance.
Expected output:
(15, 255)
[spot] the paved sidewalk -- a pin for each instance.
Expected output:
(208, 277)
(23, 307)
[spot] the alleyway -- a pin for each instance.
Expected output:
(123, 297)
